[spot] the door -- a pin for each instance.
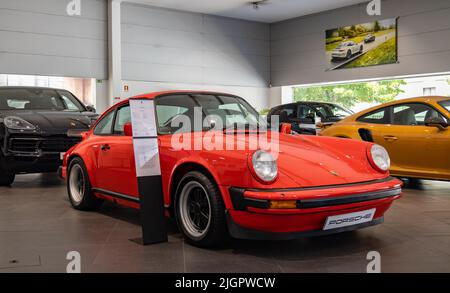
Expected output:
(414, 147)
(116, 166)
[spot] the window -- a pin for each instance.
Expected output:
(445, 105)
(413, 114)
(104, 126)
(305, 112)
(38, 99)
(377, 117)
(429, 91)
(123, 117)
(69, 102)
(172, 111)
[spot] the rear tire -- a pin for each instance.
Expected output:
(200, 211)
(349, 54)
(79, 187)
(6, 178)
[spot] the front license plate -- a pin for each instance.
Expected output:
(61, 156)
(339, 221)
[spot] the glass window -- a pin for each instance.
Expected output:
(377, 117)
(38, 99)
(104, 127)
(172, 111)
(445, 104)
(332, 111)
(429, 91)
(305, 112)
(123, 117)
(413, 114)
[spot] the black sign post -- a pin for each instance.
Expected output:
(148, 171)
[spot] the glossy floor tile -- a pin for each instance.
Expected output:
(38, 228)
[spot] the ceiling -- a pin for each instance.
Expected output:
(271, 11)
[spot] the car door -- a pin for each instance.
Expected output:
(414, 146)
(115, 161)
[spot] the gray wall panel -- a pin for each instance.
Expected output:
(181, 47)
(298, 53)
(41, 39)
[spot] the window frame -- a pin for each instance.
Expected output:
(391, 112)
(386, 119)
(113, 130)
(101, 119)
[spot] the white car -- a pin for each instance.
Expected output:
(346, 50)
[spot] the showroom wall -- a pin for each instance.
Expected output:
(41, 39)
(298, 53)
(167, 49)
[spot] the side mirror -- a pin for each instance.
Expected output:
(90, 108)
(438, 122)
(127, 129)
(286, 128)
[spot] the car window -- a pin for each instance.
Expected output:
(38, 99)
(304, 112)
(413, 114)
(166, 112)
(104, 126)
(445, 104)
(377, 117)
(123, 117)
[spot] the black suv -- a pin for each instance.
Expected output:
(37, 125)
(303, 115)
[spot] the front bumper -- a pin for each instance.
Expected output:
(338, 54)
(251, 217)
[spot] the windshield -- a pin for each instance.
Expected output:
(38, 99)
(174, 111)
(332, 111)
(445, 104)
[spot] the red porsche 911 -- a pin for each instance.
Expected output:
(298, 186)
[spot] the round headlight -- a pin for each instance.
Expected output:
(379, 158)
(17, 123)
(265, 166)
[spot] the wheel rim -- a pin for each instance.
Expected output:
(76, 184)
(195, 209)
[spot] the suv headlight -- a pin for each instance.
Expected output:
(17, 123)
(264, 166)
(379, 158)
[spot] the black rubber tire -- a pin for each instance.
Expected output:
(217, 234)
(349, 54)
(6, 179)
(89, 201)
(361, 49)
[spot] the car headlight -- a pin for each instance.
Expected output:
(17, 123)
(379, 158)
(264, 166)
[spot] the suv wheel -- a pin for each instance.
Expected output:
(6, 179)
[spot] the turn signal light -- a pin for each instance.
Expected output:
(283, 204)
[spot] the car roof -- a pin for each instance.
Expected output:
(308, 103)
(31, 87)
(154, 95)
(424, 99)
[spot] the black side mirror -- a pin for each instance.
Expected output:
(90, 108)
(438, 122)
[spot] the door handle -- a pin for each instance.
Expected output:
(390, 137)
(105, 147)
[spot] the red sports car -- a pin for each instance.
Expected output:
(312, 186)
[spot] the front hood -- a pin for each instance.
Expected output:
(320, 161)
(55, 122)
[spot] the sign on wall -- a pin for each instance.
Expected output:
(362, 45)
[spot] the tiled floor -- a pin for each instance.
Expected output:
(38, 228)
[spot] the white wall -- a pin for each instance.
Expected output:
(166, 49)
(39, 38)
(298, 45)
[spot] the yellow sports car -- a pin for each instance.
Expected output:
(415, 132)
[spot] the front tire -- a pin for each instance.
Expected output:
(6, 179)
(79, 187)
(200, 211)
